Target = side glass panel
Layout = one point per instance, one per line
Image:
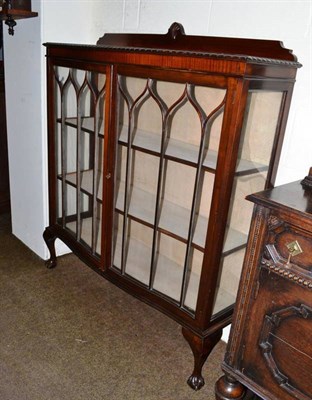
(168, 139)
(79, 123)
(251, 174)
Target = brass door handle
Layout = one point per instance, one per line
(294, 249)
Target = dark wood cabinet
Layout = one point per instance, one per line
(270, 350)
(154, 142)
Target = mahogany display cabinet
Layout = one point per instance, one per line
(154, 142)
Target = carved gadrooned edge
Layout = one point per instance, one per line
(206, 54)
(271, 322)
(286, 273)
(248, 269)
(238, 57)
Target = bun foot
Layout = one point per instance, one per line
(196, 382)
(228, 388)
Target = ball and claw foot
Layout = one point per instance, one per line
(50, 264)
(49, 237)
(196, 382)
(201, 348)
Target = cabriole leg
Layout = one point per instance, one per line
(49, 238)
(227, 388)
(201, 348)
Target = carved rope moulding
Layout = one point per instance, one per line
(286, 273)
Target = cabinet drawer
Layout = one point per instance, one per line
(279, 356)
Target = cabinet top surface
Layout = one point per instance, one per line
(291, 197)
(175, 41)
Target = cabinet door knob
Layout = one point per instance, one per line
(108, 176)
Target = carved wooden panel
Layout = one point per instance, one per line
(274, 349)
(278, 345)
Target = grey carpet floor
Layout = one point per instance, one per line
(69, 334)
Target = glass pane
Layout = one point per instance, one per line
(79, 133)
(70, 207)
(228, 280)
(177, 198)
(202, 210)
(132, 250)
(138, 251)
(251, 176)
(169, 263)
(117, 240)
(97, 230)
(192, 281)
(136, 102)
(257, 137)
(143, 186)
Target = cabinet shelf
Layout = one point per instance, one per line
(173, 218)
(168, 275)
(87, 124)
(86, 232)
(86, 182)
(143, 140)
(176, 150)
(183, 152)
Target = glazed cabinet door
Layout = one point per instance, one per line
(78, 142)
(168, 140)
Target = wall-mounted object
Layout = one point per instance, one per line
(11, 10)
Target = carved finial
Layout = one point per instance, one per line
(307, 181)
(176, 29)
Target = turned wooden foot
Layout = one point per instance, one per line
(228, 388)
(201, 348)
(49, 238)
